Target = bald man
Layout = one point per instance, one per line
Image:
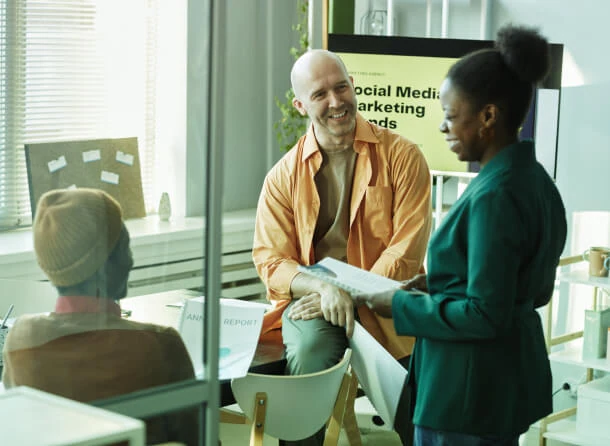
(348, 189)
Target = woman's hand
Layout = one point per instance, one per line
(380, 303)
(417, 282)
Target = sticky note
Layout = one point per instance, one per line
(59, 163)
(91, 155)
(124, 158)
(109, 177)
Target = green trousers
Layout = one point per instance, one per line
(311, 346)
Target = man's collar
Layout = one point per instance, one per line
(86, 304)
(364, 134)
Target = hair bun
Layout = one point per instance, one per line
(524, 51)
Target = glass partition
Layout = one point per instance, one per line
(124, 98)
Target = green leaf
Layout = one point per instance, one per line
(291, 125)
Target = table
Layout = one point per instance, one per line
(158, 308)
(164, 309)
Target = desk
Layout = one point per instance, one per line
(152, 308)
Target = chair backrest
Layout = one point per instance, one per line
(28, 296)
(297, 406)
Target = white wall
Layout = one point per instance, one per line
(258, 63)
(258, 37)
(584, 134)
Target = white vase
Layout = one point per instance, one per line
(165, 207)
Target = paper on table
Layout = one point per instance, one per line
(240, 326)
(379, 374)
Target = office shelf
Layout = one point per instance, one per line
(565, 430)
(561, 426)
(573, 355)
(581, 277)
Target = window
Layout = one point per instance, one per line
(74, 70)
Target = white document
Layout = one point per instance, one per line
(352, 279)
(240, 327)
(379, 374)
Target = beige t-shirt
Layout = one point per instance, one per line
(334, 184)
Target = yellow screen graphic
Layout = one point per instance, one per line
(401, 93)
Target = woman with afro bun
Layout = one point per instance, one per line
(479, 370)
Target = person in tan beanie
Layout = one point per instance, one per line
(85, 350)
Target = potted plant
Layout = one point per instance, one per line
(291, 125)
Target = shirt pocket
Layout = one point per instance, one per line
(378, 212)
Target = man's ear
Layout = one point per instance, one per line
(299, 106)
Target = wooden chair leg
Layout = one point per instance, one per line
(350, 424)
(333, 427)
(258, 424)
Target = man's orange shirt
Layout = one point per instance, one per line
(390, 219)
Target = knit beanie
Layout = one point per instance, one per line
(74, 233)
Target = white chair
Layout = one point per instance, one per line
(295, 407)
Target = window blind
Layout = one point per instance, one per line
(73, 70)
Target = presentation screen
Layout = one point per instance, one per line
(397, 81)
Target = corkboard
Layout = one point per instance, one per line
(93, 164)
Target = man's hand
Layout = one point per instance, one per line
(331, 303)
(306, 308)
(338, 308)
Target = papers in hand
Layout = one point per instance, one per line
(352, 279)
(379, 374)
